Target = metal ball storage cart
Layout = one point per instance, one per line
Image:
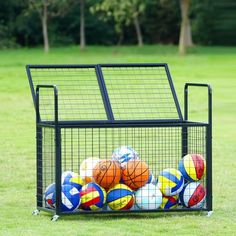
(87, 111)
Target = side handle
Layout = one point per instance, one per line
(54, 87)
(187, 85)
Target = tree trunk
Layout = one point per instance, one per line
(44, 19)
(138, 31)
(82, 26)
(185, 39)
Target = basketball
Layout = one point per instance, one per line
(193, 195)
(170, 182)
(124, 154)
(86, 168)
(169, 202)
(192, 167)
(120, 197)
(148, 197)
(93, 197)
(135, 174)
(107, 173)
(70, 177)
(70, 198)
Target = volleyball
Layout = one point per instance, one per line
(170, 202)
(192, 167)
(152, 179)
(193, 195)
(70, 198)
(124, 154)
(135, 174)
(93, 197)
(170, 182)
(49, 196)
(148, 197)
(120, 197)
(70, 177)
(86, 168)
(107, 173)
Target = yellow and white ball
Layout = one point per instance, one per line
(170, 182)
(86, 168)
(120, 197)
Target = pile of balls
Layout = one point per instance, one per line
(125, 182)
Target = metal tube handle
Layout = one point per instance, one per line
(54, 87)
(209, 99)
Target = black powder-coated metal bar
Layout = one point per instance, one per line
(208, 139)
(113, 212)
(31, 84)
(103, 90)
(58, 154)
(60, 66)
(57, 140)
(173, 92)
(102, 124)
(134, 65)
(39, 166)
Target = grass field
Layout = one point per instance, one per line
(17, 149)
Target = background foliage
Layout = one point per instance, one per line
(213, 22)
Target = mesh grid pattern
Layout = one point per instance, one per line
(140, 93)
(78, 93)
(158, 147)
(46, 149)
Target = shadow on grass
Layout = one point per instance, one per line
(123, 215)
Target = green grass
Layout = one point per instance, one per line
(214, 65)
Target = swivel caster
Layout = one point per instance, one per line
(35, 212)
(55, 218)
(209, 213)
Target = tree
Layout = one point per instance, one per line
(185, 39)
(47, 9)
(82, 25)
(125, 12)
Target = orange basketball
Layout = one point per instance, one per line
(107, 173)
(135, 174)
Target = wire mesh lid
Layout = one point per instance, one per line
(119, 92)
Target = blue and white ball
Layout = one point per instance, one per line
(72, 178)
(123, 154)
(70, 198)
(49, 196)
(152, 179)
(148, 197)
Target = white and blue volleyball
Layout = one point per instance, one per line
(170, 182)
(49, 195)
(148, 197)
(70, 198)
(72, 178)
(123, 154)
(152, 179)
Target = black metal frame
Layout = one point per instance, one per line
(57, 125)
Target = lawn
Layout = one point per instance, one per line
(214, 65)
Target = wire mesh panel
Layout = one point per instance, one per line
(141, 92)
(91, 153)
(45, 162)
(79, 96)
